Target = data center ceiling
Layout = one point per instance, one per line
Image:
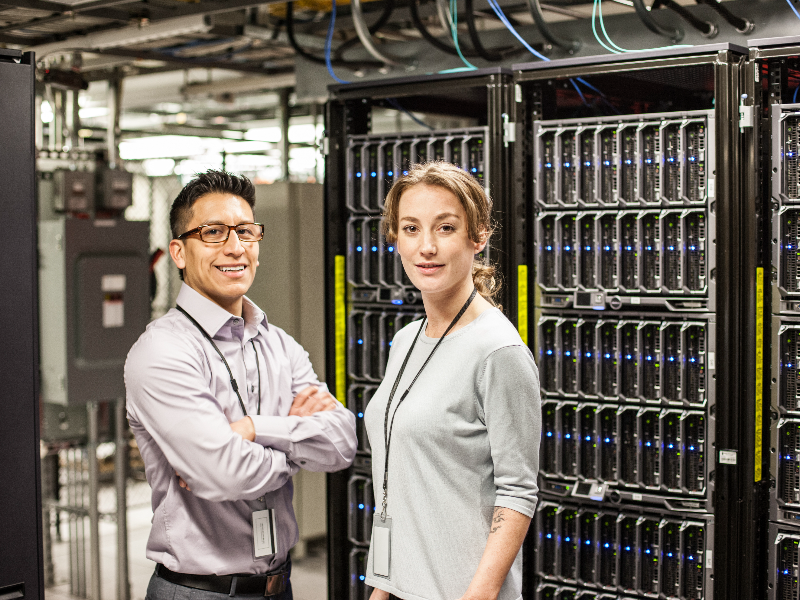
(217, 58)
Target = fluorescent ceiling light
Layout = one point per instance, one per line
(126, 36)
(91, 112)
(181, 146)
(240, 85)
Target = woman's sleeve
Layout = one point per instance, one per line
(508, 388)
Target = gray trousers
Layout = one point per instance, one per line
(161, 589)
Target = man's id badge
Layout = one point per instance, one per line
(264, 528)
(381, 545)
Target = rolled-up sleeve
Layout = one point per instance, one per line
(509, 390)
(325, 441)
(168, 396)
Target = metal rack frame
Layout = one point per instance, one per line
(726, 303)
(368, 296)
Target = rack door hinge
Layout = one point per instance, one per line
(746, 114)
(509, 130)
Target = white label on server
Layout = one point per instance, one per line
(709, 560)
(113, 311)
(727, 457)
(711, 361)
(113, 283)
(711, 189)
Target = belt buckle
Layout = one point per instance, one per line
(276, 584)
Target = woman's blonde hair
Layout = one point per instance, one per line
(477, 205)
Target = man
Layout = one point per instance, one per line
(225, 409)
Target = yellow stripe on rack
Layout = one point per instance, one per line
(759, 369)
(522, 302)
(340, 329)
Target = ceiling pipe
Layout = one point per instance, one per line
(125, 36)
(366, 38)
(433, 40)
(706, 28)
(570, 46)
(741, 24)
(675, 35)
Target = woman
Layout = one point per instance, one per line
(460, 408)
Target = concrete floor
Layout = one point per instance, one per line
(309, 576)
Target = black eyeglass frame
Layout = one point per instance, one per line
(199, 231)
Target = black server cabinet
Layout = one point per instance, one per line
(771, 117)
(368, 296)
(641, 273)
(21, 567)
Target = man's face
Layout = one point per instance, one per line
(221, 272)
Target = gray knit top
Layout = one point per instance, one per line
(465, 439)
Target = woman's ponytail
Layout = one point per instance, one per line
(486, 281)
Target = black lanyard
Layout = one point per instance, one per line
(230, 373)
(387, 426)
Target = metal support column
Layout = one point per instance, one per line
(120, 481)
(94, 512)
(284, 112)
(114, 109)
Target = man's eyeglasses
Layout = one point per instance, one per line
(216, 233)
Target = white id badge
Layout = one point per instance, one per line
(265, 541)
(381, 545)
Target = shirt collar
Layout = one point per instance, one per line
(212, 317)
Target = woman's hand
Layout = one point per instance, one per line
(379, 595)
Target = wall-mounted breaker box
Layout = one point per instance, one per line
(94, 304)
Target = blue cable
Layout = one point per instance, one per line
(328, 42)
(618, 49)
(454, 32)
(594, 30)
(580, 93)
(794, 98)
(399, 107)
(500, 15)
(603, 27)
(590, 86)
(794, 10)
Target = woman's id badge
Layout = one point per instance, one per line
(381, 545)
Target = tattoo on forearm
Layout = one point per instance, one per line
(497, 519)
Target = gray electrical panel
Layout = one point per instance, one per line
(94, 290)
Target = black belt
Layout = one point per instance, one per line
(270, 584)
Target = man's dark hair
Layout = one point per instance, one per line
(210, 182)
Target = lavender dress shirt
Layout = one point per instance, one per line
(180, 403)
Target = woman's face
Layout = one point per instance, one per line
(433, 242)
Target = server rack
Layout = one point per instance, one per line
(642, 324)
(369, 298)
(21, 559)
(772, 118)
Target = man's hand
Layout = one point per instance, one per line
(245, 428)
(311, 401)
(182, 483)
(379, 595)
